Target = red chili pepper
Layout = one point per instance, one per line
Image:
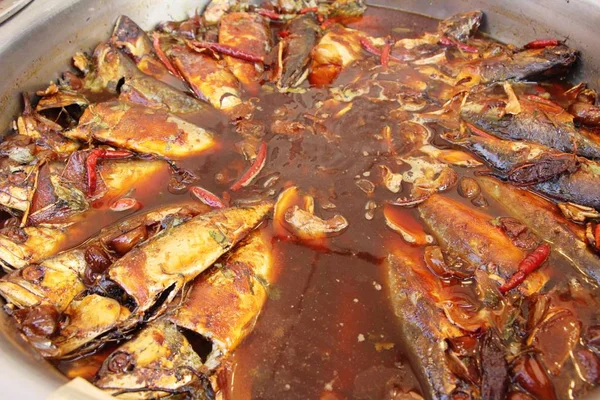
(385, 53)
(369, 47)
(208, 198)
(163, 57)
(269, 14)
(446, 41)
(254, 170)
(539, 99)
(330, 21)
(542, 43)
(597, 236)
(92, 162)
(479, 132)
(308, 9)
(284, 34)
(227, 50)
(531, 263)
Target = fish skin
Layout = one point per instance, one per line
(545, 221)
(580, 185)
(422, 325)
(223, 303)
(141, 129)
(167, 260)
(526, 64)
(533, 124)
(303, 32)
(163, 362)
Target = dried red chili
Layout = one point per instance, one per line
(163, 57)
(541, 43)
(207, 197)
(254, 170)
(92, 162)
(531, 263)
(224, 49)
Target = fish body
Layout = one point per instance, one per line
(223, 304)
(207, 76)
(544, 220)
(303, 33)
(555, 174)
(246, 32)
(176, 257)
(521, 65)
(470, 234)
(534, 124)
(422, 324)
(141, 129)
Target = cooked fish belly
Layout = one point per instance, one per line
(56, 280)
(224, 302)
(142, 129)
(158, 362)
(183, 252)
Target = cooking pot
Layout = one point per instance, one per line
(38, 42)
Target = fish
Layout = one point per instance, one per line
(423, 326)
(543, 218)
(162, 265)
(158, 362)
(470, 234)
(110, 70)
(303, 33)
(208, 77)
(59, 278)
(535, 123)
(521, 65)
(335, 50)
(139, 286)
(555, 174)
(141, 129)
(250, 33)
(224, 302)
(58, 209)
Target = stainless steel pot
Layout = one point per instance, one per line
(39, 41)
